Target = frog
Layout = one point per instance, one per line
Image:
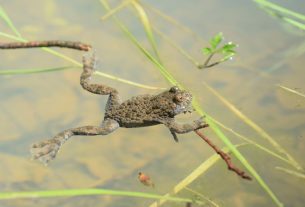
(138, 111)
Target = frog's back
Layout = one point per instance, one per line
(135, 112)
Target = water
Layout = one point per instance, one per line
(36, 107)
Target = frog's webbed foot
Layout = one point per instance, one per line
(45, 151)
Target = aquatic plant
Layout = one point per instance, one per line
(227, 51)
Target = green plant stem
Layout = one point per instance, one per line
(294, 23)
(280, 12)
(173, 21)
(280, 9)
(147, 27)
(86, 192)
(30, 71)
(206, 63)
(117, 9)
(177, 47)
(251, 142)
(202, 196)
(291, 90)
(291, 172)
(127, 81)
(9, 22)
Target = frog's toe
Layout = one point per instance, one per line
(44, 151)
(201, 123)
(45, 159)
(39, 144)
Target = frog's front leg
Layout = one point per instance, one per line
(175, 127)
(46, 151)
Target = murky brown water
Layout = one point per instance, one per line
(35, 107)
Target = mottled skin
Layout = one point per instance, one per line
(139, 111)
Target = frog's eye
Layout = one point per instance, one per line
(174, 89)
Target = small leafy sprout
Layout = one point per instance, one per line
(227, 51)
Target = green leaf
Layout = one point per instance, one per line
(228, 47)
(216, 40)
(228, 51)
(206, 51)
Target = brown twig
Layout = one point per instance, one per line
(224, 156)
(49, 43)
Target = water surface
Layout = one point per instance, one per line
(36, 107)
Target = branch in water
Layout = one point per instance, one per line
(224, 156)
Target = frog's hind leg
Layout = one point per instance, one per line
(46, 151)
(88, 69)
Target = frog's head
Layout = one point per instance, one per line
(181, 100)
